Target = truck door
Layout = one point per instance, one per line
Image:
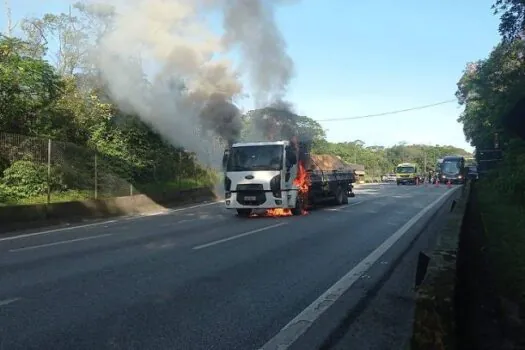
(290, 166)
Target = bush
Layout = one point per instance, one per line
(24, 179)
(4, 194)
(509, 178)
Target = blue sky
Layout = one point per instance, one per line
(363, 57)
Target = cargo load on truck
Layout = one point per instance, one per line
(282, 178)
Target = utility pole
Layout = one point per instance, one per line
(425, 166)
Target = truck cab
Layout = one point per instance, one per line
(260, 175)
(406, 173)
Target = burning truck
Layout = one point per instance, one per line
(282, 178)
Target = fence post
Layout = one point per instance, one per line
(96, 175)
(48, 171)
(131, 189)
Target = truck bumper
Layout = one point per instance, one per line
(260, 200)
(454, 181)
(406, 181)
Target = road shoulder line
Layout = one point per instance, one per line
(290, 333)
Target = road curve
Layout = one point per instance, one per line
(198, 278)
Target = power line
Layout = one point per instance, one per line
(387, 113)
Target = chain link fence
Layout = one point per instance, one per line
(35, 170)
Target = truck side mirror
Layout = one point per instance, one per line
(225, 159)
(291, 158)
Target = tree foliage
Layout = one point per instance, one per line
(490, 89)
(512, 18)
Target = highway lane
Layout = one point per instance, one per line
(198, 278)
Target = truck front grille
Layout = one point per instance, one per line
(251, 198)
(250, 194)
(250, 187)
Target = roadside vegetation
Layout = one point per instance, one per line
(492, 91)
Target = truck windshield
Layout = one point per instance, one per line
(405, 169)
(250, 158)
(450, 167)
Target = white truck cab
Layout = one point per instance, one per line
(260, 175)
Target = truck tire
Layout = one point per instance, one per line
(339, 196)
(345, 197)
(244, 213)
(299, 207)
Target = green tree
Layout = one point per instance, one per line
(512, 18)
(277, 123)
(29, 88)
(70, 33)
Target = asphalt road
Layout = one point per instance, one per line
(196, 278)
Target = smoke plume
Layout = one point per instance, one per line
(161, 60)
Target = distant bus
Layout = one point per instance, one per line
(452, 168)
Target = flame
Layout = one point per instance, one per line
(278, 212)
(302, 181)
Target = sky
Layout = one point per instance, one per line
(355, 58)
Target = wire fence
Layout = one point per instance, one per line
(35, 170)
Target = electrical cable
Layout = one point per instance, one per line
(387, 113)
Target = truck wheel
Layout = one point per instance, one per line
(345, 197)
(299, 207)
(244, 213)
(339, 194)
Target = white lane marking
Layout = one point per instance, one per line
(237, 236)
(59, 243)
(62, 229)
(195, 206)
(343, 207)
(8, 301)
(11, 238)
(302, 322)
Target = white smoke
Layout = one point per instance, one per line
(191, 99)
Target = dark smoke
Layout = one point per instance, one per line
(174, 37)
(222, 117)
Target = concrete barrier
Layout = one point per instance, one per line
(434, 322)
(37, 215)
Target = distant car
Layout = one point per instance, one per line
(390, 178)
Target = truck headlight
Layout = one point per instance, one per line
(275, 186)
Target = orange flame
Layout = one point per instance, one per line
(302, 181)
